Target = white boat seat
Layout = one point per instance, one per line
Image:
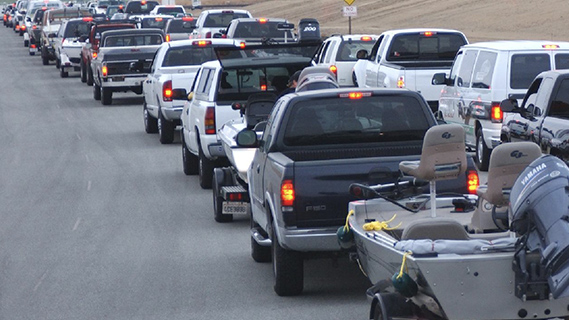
(434, 229)
(443, 155)
(507, 161)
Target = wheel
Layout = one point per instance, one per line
(32, 53)
(288, 268)
(44, 57)
(96, 92)
(259, 253)
(89, 75)
(379, 312)
(83, 73)
(217, 183)
(63, 74)
(150, 123)
(106, 96)
(57, 64)
(189, 160)
(165, 129)
(205, 168)
(482, 152)
(26, 43)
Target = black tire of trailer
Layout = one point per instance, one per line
(220, 179)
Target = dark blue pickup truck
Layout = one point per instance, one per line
(314, 146)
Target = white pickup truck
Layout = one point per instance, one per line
(408, 58)
(175, 66)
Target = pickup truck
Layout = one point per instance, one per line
(259, 30)
(210, 22)
(90, 49)
(408, 58)
(123, 62)
(52, 20)
(543, 117)
(315, 144)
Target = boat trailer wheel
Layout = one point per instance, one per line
(378, 308)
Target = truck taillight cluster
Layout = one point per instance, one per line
(168, 38)
(401, 82)
(209, 120)
(104, 71)
(287, 195)
(496, 113)
(334, 70)
(94, 55)
(167, 91)
(472, 181)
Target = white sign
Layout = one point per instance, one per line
(350, 11)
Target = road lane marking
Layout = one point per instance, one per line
(87, 158)
(89, 185)
(78, 136)
(40, 282)
(76, 224)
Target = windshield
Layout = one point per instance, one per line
(338, 120)
(221, 20)
(254, 29)
(425, 46)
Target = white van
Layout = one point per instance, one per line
(485, 73)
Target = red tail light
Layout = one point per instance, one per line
(401, 82)
(208, 35)
(33, 46)
(158, 19)
(34, 27)
(496, 112)
(201, 43)
(17, 27)
(262, 20)
(242, 45)
(94, 55)
(472, 181)
(104, 71)
(287, 193)
(23, 28)
(355, 95)
(87, 19)
(235, 197)
(366, 38)
(334, 70)
(167, 91)
(167, 38)
(210, 120)
(188, 19)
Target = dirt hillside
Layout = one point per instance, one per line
(480, 20)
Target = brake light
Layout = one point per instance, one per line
(287, 193)
(235, 197)
(43, 8)
(104, 71)
(167, 38)
(158, 19)
(187, 18)
(23, 28)
(428, 33)
(34, 27)
(550, 46)
(263, 87)
(472, 181)
(242, 45)
(401, 82)
(94, 55)
(262, 20)
(209, 120)
(17, 27)
(207, 35)
(496, 112)
(88, 19)
(143, 2)
(366, 38)
(121, 7)
(167, 91)
(334, 70)
(33, 46)
(201, 43)
(354, 95)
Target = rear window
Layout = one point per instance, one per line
(259, 30)
(138, 7)
(562, 61)
(332, 121)
(422, 47)
(238, 84)
(158, 22)
(222, 20)
(180, 26)
(348, 49)
(170, 10)
(76, 29)
(525, 67)
(128, 41)
(188, 56)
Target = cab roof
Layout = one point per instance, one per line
(518, 45)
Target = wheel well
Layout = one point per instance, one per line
(476, 127)
(374, 303)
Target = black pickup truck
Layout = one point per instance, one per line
(314, 146)
(543, 117)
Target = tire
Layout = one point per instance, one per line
(106, 96)
(288, 268)
(44, 57)
(259, 253)
(96, 92)
(83, 72)
(57, 64)
(32, 53)
(217, 183)
(482, 152)
(150, 123)
(190, 162)
(165, 129)
(205, 168)
(63, 74)
(89, 76)
(26, 43)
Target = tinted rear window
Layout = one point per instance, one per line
(180, 26)
(76, 29)
(138, 7)
(418, 47)
(159, 23)
(171, 11)
(129, 41)
(255, 29)
(344, 121)
(348, 49)
(525, 67)
(562, 61)
(188, 56)
(221, 20)
(238, 84)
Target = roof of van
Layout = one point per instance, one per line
(514, 45)
(395, 31)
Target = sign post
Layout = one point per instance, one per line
(350, 11)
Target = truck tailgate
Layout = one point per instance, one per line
(422, 82)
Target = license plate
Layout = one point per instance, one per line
(118, 78)
(235, 207)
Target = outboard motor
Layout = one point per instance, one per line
(539, 205)
(309, 30)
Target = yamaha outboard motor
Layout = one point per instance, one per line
(309, 30)
(539, 204)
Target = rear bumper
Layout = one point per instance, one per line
(317, 239)
(122, 81)
(172, 113)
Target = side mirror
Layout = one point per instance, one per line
(509, 105)
(247, 138)
(237, 106)
(362, 54)
(439, 79)
(179, 94)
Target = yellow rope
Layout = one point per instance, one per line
(403, 264)
(347, 225)
(380, 225)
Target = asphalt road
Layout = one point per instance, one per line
(98, 221)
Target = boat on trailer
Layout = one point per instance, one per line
(459, 257)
